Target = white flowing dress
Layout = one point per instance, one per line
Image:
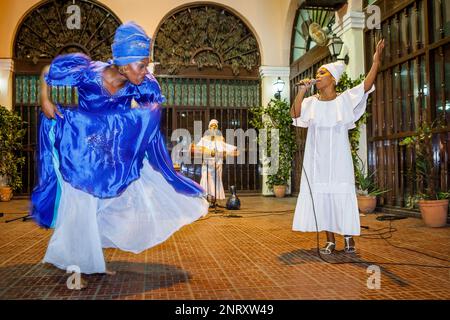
(147, 213)
(212, 167)
(328, 164)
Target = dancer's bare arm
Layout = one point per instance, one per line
(48, 107)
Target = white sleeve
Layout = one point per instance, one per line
(306, 113)
(356, 98)
(229, 147)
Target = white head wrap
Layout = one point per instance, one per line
(336, 69)
(212, 122)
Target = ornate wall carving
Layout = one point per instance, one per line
(205, 36)
(48, 31)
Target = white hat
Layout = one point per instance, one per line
(336, 69)
(212, 122)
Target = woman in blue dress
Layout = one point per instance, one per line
(106, 179)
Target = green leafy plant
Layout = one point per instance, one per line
(365, 182)
(11, 135)
(424, 173)
(276, 115)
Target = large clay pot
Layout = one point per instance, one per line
(279, 191)
(367, 204)
(434, 212)
(5, 193)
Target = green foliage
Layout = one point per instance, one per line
(11, 134)
(441, 195)
(365, 183)
(276, 115)
(346, 83)
(423, 172)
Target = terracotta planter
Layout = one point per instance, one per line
(367, 204)
(279, 191)
(434, 212)
(5, 193)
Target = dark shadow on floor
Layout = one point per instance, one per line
(44, 281)
(302, 256)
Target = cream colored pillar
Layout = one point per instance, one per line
(6, 83)
(6, 87)
(269, 75)
(350, 29)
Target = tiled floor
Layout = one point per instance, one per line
(254, 256)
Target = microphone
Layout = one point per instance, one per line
(302, 82)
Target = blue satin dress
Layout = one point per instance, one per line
(105, 176)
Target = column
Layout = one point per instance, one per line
(269, 75)
(6, 82)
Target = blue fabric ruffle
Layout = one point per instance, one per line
(68, 70)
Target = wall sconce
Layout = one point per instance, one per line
(279, 86)
(335, 46)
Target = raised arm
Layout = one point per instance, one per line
(48, 107)
(297, 105)
(372, 75)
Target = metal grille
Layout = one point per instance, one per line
(413, 85)
(27, 106)
(198, 99)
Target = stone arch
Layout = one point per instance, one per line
(44, 32)
(40, 36)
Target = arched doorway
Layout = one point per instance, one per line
(48, 30)
(207, 61)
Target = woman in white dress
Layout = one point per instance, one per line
(214, 148)
(327, 188)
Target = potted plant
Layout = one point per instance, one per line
(433, 202)
(367, 189)
(11, 134)
(276, 116)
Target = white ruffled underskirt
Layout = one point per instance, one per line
(337, 213)
(145, 215)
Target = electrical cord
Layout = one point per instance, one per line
(380, 234)
(268, 213)
(392, 230)
(374, 235)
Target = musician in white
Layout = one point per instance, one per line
(214, 149)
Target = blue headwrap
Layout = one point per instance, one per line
(131, 44)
